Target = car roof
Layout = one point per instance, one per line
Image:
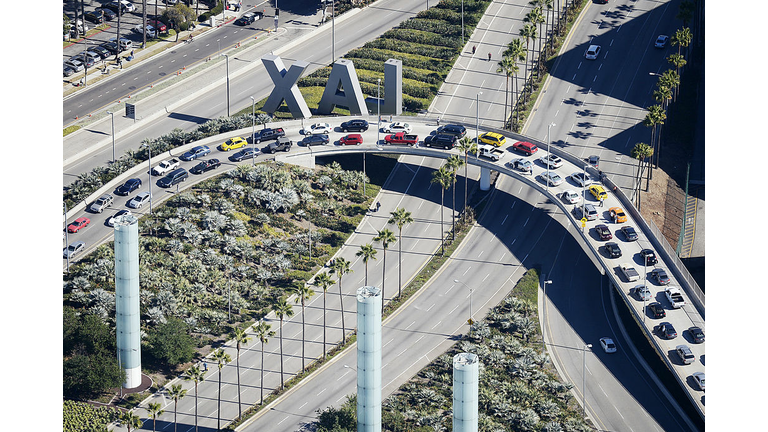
(493, 134)
(593, 47)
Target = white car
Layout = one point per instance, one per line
(571, 197)
(580, 178)
(592, 52)
(552, 178)
(139, 200)
(608, 345)
(397, 127)
(521, 164)
(150, 30)
(320, 129)
(674, 296)
(642, 291)
(111, 220)
(552, 160)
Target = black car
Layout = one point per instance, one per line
(268, 134)
(129, 186)
(122, 9)
(68, 71)
(205, 165)
(660, 276)
(356, 125)
(657, 310)
(612, 249)
(173, 178)
(666, 330)
(649, 256)
(440, 140)
(100, 51)
(246, 153)
(629, 233)
(697, 334)
(311, 140)
(109, 15)
(94, 17)
(453, 129)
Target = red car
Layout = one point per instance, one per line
(401, 138)
(604, 232)
(351, 139)
(158, 25)
(77, 224)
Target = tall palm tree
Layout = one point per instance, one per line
(341, 267)
(454, 163)
(324, 281)
(518, 53)
(655, 117)
(241, 338)
(130, 420)
(194, 373)
(677, 61)
(153, 408)
(400, 217)
(549, 35)
(534, 16)
(506, 64)
(263, 332)
(671, 79)
(367, 251)
(528, 32)
(176, 393)
(663, 95)
(221, 359)
(466, 146)
(443, 177)
(640, 151)
(303, 293)
(385, 237)
(282, 309)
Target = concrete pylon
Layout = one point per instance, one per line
(127, 311)
(485, 179)
(466, 377)
(369, 359)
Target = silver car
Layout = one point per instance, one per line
(685, 354)
(699, 378)
(74, 249)
(139, 200)
(103, 202)
(642, 291)
(551, 178)
(580, 178)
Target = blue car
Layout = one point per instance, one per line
(195, 152)
(129, 186)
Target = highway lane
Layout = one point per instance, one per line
(350, 34)
(598, 106)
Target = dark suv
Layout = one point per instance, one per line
(281, 143)
(311, 140)
(440, 140)
(173, 178)
(267, 134)
(452, 129)
(357, 125)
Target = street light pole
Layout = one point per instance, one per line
(333, 31)
(584, 382)
(149, 149)
(253, 129)
(470, 303)
(378, 114)
(113, 134)
(543, 313)
(548, 153)
(477, 122)
(227, 57)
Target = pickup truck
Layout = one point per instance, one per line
(281, 144)
(629, 272)
(674, 296)
(490, 152)
(268, 134)
(166, 166)
(401, 138)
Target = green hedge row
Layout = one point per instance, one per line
(441, 53)
(437, 26)
(423, 37)
(426, 76)
(409, 60)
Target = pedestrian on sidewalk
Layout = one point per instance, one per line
(489, 56)
(473, 49)
(205, 366)
(131, 53)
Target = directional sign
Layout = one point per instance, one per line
(470, 321)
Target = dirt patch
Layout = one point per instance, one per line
(664, 204)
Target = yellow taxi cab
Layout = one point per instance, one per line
(493, 138)
(598, 192)
(234, 143)
(617, 214)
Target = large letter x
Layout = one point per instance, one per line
(285, 86)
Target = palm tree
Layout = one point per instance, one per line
(506, 66)
(194, 373)
(303, 293)
(324, 281)
(443, 177)
(282, 309)
(466, 146)
(385, 237)
(454, 163)
(341, 267)
(677, 61)
(130, 420)
(663, 95)
(535, 17)
(640, 151)
(176, 393)
(263, 332)
(518, 53)
(241, 338)
(656, 116)
(366, 251)
(153, 408)
(221, 358)
(528, 32)
(670, 79)
(400, 217)
(549, 35)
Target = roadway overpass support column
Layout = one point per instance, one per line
(485, 179)
(127, 299)
(465, 392)
(369, 359)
